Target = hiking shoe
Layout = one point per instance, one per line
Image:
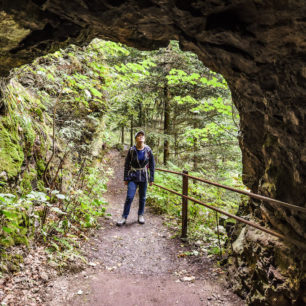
(121, 222)
(141, 219)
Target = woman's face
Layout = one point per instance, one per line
(140, 138)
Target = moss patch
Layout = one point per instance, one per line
(11, 153)
(11, 262)
(40, 167)
(26, 182)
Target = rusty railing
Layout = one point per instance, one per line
(185, 198)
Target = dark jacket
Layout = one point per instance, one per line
(131, 161)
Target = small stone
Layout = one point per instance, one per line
(35, 290)
(19, 279)
(87, 94)
(44, 276)
(80, 292)
(188, 279)
(3, 175)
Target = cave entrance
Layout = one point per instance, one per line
(184, 107)
(100, 95)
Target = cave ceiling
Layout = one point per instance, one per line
(242, 33)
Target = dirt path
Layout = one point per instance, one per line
(139, 264)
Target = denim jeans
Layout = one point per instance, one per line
(132, 186)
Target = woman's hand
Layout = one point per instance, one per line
(151, 183)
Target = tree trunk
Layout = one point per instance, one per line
(166, 123)
(195, 154)
(140, 115)
(122, 134)
(175, 146)
(175, 114)
(131, 132)
(195, 149)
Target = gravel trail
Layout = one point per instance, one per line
(139, 264)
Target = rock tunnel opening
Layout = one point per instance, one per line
(257, 47)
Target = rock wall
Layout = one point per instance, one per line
(49, 97)
(259, 47)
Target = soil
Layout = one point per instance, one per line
(139, 264)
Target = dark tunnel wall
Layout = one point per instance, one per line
(258, 46)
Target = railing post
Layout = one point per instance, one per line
(185, 206)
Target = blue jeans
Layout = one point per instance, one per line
(132, 186)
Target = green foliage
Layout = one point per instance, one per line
(26, 182)
(89, 203)
(14, 216)
(202, 224)
(11, 153)
(70, 214)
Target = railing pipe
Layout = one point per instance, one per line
(297, 243)
(250, 194)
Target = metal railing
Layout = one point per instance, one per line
(185, 198)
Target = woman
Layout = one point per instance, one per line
(138, 161)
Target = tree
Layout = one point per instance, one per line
(185, 108)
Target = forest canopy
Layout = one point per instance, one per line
(185, 108)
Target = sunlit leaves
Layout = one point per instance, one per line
(177, 76)
(59, 211)
(214, 82)
(95, 92)
(185, 100)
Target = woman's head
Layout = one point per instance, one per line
(140, 137)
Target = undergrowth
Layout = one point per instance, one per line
(205, 227)
(69, 218)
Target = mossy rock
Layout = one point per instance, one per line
(11, 152)
(25, 122)
(41, 186)
(36, 111)
(27, 181)
(13, 262)
(40, 167)
(10, 263)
